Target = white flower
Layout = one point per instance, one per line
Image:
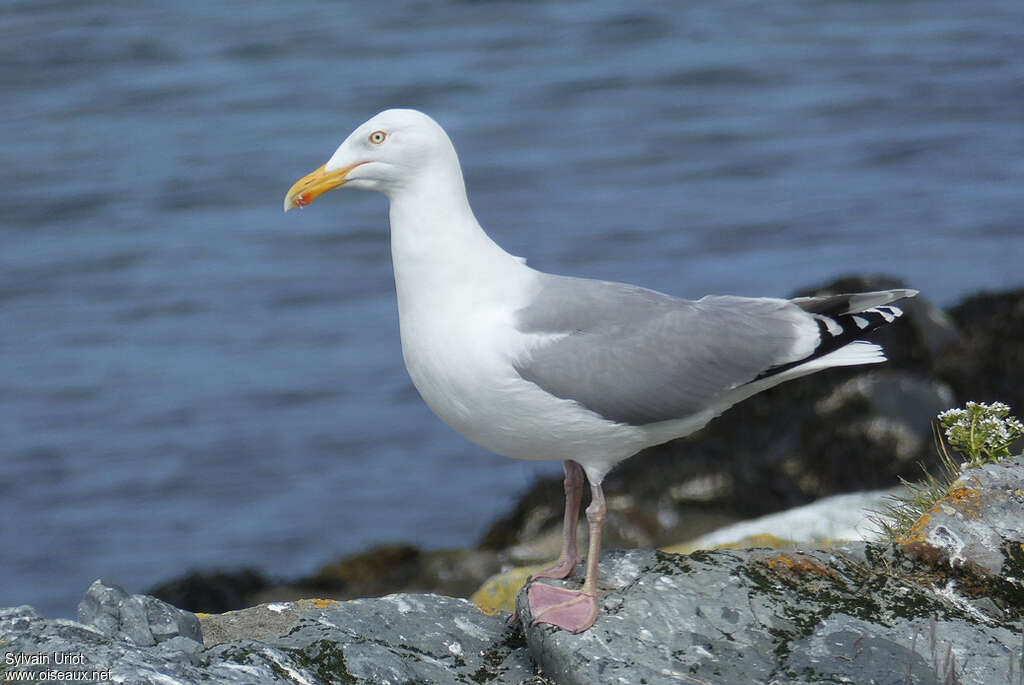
(982, 432)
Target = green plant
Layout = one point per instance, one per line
(981, 432)
(899, 514)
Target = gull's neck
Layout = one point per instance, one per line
(437, 246)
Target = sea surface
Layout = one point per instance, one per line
(191, 379)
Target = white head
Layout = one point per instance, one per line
(392, 151)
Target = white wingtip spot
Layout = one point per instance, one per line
(860, 321)
(833, 327)
(887, 313)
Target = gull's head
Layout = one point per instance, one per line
(390, 151)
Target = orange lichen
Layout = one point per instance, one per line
(966, 501)
(324, 603)
(798, 564)
(916, 531)
(779, 559)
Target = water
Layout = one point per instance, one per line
(191, 379)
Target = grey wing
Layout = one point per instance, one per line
(637, 356)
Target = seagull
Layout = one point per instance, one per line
(539, 366)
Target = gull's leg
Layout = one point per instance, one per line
(569, 557)
(595, 518)
(574, 610)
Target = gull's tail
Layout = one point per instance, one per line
(842, 320)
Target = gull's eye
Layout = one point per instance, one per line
(377, 137)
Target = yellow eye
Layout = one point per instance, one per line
(377, 137)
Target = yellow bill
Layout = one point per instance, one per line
(313, 185)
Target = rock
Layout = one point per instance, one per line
(978, 525)
(942, 606)
(855, 614)
(827, 522)
(395, 639)
(260, 622)
(140, 619)
(55, 649)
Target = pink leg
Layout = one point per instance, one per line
(569, 557)
(574, 610)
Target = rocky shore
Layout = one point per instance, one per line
(943, 604)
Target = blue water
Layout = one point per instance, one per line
(191, 379)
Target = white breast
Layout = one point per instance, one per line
(459, 345)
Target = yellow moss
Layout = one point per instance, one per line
(324, 603)
(759, 540)
(498, 593)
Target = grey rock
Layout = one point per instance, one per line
(180, 648)
(170, 623)
(855, 614)
(395, 639)
(943, 606)
(261, 622)
(13, 619)
(904, 651)
(859, 613)
(100, 607)
(143, 620)
(978, 525)
(97, 656)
